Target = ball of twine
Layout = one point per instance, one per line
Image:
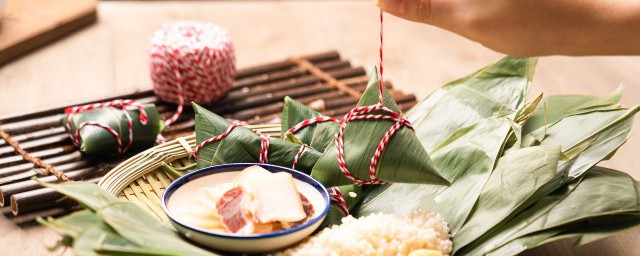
(191, 61)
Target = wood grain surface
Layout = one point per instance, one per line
(29, 24)
(111, 56)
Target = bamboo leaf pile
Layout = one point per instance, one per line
(506, 175)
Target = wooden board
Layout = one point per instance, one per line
(29, 24)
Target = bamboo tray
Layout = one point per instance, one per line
(256, 97)
(141, 180)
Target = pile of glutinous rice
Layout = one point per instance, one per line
(380, 234)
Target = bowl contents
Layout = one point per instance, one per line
(257, 201)
(381, 234)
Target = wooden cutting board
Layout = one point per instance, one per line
(29, 24)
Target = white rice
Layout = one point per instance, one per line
(379, 234)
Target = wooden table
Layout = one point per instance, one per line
(111, 56)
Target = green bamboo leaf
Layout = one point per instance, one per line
(130, 251)
(137, 226)
(336, 213)
(93, 237)
(85, 193)
(242, 145)
(497, 90)
(586, 232)
(591, 233)
(604, 131)
(601, 192)
(468, 157)
(603, 195)
(517, 176)
(128, 222)
(501, 233)
(317, 136)
(529, 109)
(98, 141)
(507, 81)
(403, 152)
(561, 106)
(71, 226)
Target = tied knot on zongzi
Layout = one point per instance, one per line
(113, 119)
(338, 198)
(264, 142)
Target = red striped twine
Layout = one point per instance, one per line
(300, 151)
(363, 113)
(358, 113)
(308, 122)
(381, 81)
(264, 143)
(338, 198)
(191, 61)
(123, 104)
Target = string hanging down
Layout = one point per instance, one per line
(381, 81)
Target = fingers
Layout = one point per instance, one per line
(414, 10)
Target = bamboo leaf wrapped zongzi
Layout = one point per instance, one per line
(242, 145)
(112, 127)
(402, 160)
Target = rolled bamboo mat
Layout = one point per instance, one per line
(256, 97)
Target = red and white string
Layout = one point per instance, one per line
(264, 143)
(338, 198)
(364, 113)
(191, 61)
(123, 104)
(358, 113)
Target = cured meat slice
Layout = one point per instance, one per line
(230, 210)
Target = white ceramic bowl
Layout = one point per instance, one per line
(182, 189)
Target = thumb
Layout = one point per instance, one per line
(414, 10)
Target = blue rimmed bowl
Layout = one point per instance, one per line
(184, 187)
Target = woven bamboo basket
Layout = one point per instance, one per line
(140, 179)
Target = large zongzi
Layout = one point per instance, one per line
(403, 160)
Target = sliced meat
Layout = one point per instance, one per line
(229, 210)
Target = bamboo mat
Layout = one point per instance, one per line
(256, 97)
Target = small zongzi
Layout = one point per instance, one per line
(113, 127)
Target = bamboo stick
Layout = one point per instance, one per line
(345, 109)
(39, 199)
(30, 173)
(257, 70)
(277, 107)
(11, 118)
(63, 159)
(36, 135)
(337, 112)
(43, 154)
(286, 74)
(29, 218)
(27, 125)
(8, 190)
(34, 144)
(268, 98)
(284, 85)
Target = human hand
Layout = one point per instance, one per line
(533, 27)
